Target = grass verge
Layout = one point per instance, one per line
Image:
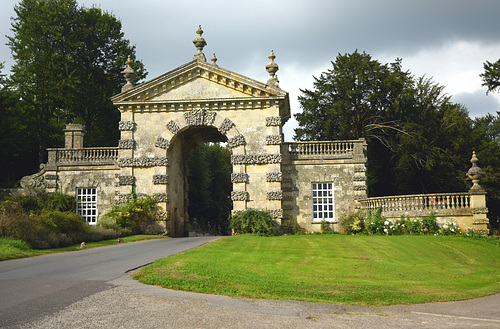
(355, 270)
(12, 249)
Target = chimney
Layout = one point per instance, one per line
(73, 136)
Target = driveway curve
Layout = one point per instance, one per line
(39, 286)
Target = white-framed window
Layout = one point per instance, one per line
(86, 204)
(323, 202)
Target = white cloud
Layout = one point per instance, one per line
(455, 65)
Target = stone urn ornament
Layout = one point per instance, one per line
(129, 75)
(272, 68)
(199, 43)
(475, 173)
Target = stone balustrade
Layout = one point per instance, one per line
(467, 209)
(325, 149)
(86, 155)
(420, 204)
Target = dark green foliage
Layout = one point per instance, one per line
(17, 143)
(324, 226)
(67, 65)
(15, 222)
(210, 187)
(56, 229)
(254, 221)
(375, 221)
(47, 221)
(137, 215)
(405, 225)
(429, 224)
(43, 202)
(353, 223)
(349, 100)
(488, 152)
(491, 76)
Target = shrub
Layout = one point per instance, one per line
(99, 233)
(254, 221)
(405, 225)
(449, 228)
(353, 223)
(57, 229)
(15, 223)
(324, 226)
(48, 221)
(414, 226)
(375, 221)
(108, 223)
(429, 224)
(57, 201)
(137, 215)
(42, 202)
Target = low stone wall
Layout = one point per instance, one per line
(468, 210)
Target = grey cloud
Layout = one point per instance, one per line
(476, 102)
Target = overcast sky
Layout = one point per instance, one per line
(448, 40)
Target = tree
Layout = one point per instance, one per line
(418, 140)
(488, 152)
(43, 36)
(349, 100)
(16, 144)
(67, 64)
(98, 60)
(429, 153)
(491, 76)
(491, 126)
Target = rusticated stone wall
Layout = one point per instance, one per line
(342, 163)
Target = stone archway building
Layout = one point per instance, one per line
(163, 120)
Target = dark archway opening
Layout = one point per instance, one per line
(209, 181)
(200, 182)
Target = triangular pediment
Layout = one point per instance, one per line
(196, 81)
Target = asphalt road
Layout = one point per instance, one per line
(39, 286)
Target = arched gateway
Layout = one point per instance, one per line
(165, 119)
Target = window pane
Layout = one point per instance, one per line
(323, 201)
(87, 204)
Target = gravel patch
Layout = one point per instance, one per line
(129, 304)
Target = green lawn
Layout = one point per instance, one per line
(12, 249)
(356, 270)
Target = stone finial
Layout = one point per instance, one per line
(199, 43)
(129, 75)
(475, 174)
(214, 60)
(272, 68)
